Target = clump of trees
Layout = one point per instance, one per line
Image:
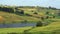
(52, 8)
(7, 9)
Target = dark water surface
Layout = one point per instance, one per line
(14, 25)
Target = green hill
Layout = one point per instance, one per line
(53, 28)
(31, 14)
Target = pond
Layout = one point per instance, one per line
(14, 25)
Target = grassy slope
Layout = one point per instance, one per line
(16, 30)
(9, 18)
(52, 28)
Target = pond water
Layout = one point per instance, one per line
(14, 25)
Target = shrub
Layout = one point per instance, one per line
(22, 12)
(28, 14)
(35, 13)
(42, 18)
(32, 11)
(58, 14)
(39, 24)
(19, 12)
(47, 12)
(25, 31)
(53, 16)
(25, 21)
(47, 17)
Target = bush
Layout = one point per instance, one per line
(28, 14)
(47, 17)
(53, 16)
(19, 12)
(39, 24)
(25, 31)
(35, 13)
(42, 18)
(47, 12)
(25, 21)
(32, 11)
(58, 14)
(22, 12)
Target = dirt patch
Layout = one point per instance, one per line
(1, 18)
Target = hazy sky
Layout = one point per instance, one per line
(53, 3)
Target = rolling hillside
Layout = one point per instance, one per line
(51, 16)
(10, 18)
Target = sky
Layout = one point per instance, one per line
(43, 3)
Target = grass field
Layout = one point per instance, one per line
(52, 28)
(13, 30)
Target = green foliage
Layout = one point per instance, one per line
(39, 24)
(5, 9)
(35, 13)
(47, 12)
(22, 12)
(27, 14)
(25, 21)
